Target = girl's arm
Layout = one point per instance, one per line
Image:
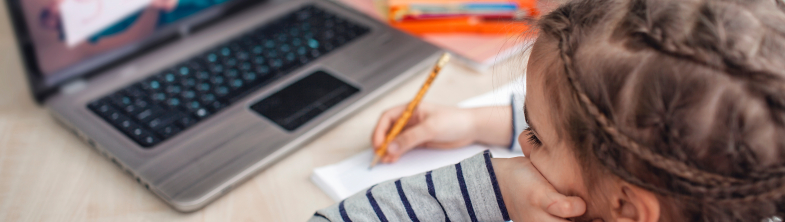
(467, 191)
(476, 189)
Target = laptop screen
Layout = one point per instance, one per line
(68, 35)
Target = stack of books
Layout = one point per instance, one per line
(419, 17)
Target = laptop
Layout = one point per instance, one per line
(193, 97)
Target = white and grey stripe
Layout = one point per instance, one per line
(518, 121)
(467, 191)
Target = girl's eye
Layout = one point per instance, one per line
(532, 138)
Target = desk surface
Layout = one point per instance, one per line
(47, 174)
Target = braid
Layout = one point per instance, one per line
(693, 183)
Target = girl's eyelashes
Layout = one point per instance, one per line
(532, 138)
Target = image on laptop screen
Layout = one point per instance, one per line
(67, 32)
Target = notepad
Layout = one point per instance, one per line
(352, 175)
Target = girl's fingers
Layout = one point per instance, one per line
(408, 139)
(561, 206)
(386, 121)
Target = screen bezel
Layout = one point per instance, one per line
(42, 86)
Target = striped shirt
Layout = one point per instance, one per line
(466, 191)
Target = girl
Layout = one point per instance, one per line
(649, 110)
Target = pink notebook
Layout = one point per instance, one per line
(477, 51)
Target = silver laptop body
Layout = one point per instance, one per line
(210, 158)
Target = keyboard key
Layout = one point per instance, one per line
(102, 108)
(168, 131)
(130, 109)
(263, 69)
(212, 57)
(242, 56)
(126, 125)
(232, 73)
(230, 62)
(184, 70)
(173, 102)
(152, 85)
(216, 68)
(148, 114)
(193, 106)
(188, 94)
(221, 91)
(207, 98)
(185, 122)
(148, 140)
(313, 43)
(116, 117)
(174, 89)
(141, 103)
(169, 77)
(226, 51)
(249, 76)
(165, 119)
(217, 80)
(203, 75)
(236, 83)
(245, 66)
(135, 91)
(203, 87)
(122, 100)
(159, 97)
(202, 113)
(189, 82)
(214, 106)
(138, 132)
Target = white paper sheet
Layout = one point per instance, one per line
(84, 18)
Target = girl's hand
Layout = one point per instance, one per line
(529, 196)
(443, 127)
(430, 125)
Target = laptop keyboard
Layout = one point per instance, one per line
(163, 105)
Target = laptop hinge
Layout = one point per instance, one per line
(73, 86)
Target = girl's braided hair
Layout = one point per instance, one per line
(685, 98)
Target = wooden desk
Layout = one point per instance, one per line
(47, 174)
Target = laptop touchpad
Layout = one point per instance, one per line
(296, 104)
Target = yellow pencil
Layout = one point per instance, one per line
(401, 122)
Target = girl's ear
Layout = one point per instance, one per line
(631, 203)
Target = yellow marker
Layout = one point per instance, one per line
(401, 122)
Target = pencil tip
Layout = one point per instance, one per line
(374, 162)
